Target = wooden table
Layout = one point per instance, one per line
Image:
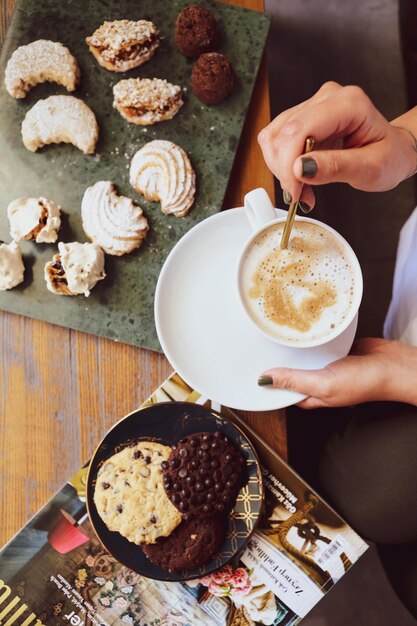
(60, 390)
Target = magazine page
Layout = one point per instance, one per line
(55, 571)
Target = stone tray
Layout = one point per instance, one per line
(121, 306)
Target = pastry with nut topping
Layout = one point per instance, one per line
(130, 496)
(75, 270)
(39, 62)
(146, 101)
(113, 222)
(34, 218)
(161, 171)
(11, 265)
(121, 45)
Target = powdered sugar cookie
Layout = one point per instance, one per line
(34, 218)
(76, 269)
(39, 62)
(60, 119)
(11, 265)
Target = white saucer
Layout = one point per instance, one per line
(205, 334)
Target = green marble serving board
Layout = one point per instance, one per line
(121, 306)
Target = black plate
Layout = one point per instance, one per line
(167, 423)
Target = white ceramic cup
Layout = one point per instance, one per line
(262, 216)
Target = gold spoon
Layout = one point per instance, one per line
(309, 146)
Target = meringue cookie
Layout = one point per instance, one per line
(76, 269)
(11, 266)
(34, 218)
(60, 119)
(162, 171)
(39, 62)
(113, 222)
(145, 101)
(121, 45)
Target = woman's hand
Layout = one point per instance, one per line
(355, 144)
(376, 369)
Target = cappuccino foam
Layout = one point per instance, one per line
(303, 293)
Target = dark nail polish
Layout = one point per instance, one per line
(286, 197)
(309, 167)
(304, 207)
(265, 380)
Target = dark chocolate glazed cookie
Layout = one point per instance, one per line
(203, 474)
(190, 545)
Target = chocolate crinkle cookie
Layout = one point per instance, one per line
(203, 474)
(196, 31)
(212, 78)
(190, 545)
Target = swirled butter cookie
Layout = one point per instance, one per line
(162, 171)
(34, 218)
(121, 45)
(146, 101)
(60, 119)
(76, 269)
(39, 62)
(130, 496)
(11, 265)
(114, 222)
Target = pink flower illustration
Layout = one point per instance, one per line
(240, 580)
(225, 582)
(79, 583)
(105, 601)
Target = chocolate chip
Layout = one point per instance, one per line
(190, 480)
(229, 483)
(219, 507)
(119, 508)
(167, 482)
(206, 437)
(105, 485)
(215, 445)
(206, 508)
(200, 452)
(185, 493)
(214, 464)
(195, 463)
(137, 454)
(194, 443)
(206, 456)
(205, 446)
(228, 457)
(147, 460)
(183, 472)
(208, 482)
(183, 440)
(199, 486)
(153, 519)
(210, 496)
(174, 463)
(175, 497)
(217, 474)
(187, 517)
(183, 506)
(228, 469)
(202, 471)
(218, 487)
(164, 465)
(225, 497)
(183, 452)
(218, 434)
(176, 487)
(127, 484)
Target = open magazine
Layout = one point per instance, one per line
(55, 571)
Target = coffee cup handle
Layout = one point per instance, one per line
(259, 209)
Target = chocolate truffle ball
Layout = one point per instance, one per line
(196, 31)
(212, 78)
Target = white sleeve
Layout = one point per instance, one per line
(401, 320)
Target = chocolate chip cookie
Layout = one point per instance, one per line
(190, 545)
(203, 474)
(130, 497)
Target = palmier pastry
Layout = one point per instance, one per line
(34, 218)
(113, 222)
(145, 101)
(11, 265)
(76, 269)
(162, 171)
(121, 45)
(39, 62)
(60, 119)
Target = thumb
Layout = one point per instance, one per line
(307, 382)
(360, 167)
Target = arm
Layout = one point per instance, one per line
(376, 369)
(357, 145)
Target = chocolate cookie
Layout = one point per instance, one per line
(212, 78)
(190, 545)
(196, 31)
(203, 474)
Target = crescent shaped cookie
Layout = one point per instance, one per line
(39, 62)
(11, 266)
(146, 101)
(162, 171)
(34, 218)
(75, 269)
(113, 222)
(60, 119)
(121, 45)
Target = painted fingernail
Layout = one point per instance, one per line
(304, 207)
(309, 167)
(265, 380)
(286, 197)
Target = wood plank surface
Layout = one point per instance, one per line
(60, 390)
